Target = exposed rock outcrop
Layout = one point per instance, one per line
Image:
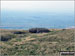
(38, 30)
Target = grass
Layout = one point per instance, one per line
(37, 44)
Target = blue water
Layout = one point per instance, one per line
(26, 20)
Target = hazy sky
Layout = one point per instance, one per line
(66, 6)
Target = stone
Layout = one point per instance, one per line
(38, 30)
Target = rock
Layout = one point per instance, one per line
(38, 30)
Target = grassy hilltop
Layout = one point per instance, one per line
(36, 43)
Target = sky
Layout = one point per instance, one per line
(63, 6)
(61, 11)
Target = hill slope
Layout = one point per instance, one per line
(37, 44)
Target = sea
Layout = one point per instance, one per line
(27, 20)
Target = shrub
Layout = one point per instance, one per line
(6, 37)
(19, 32)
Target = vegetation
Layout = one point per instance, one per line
(36, 43)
